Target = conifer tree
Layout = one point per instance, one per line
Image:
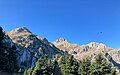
(43, 67)
(8, 59)
(84, 67)
(68, 65)
(101, 66)
(56, 68)
(62, 64)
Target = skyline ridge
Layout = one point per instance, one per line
(63, 39)
(80, 21)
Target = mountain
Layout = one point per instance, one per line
(30, 47)
(89, 50)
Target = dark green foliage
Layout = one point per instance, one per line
(56, 68)
(62, 64)
(101, 66)
(1, 35)
(28, 72)
(68, 65)
(43, 67)
(25, 72)
(84, 67)
(8, 61)
(113, 72)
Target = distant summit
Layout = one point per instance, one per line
(30, 47)
(96, 44)
(60, 40)
(21, 29)
(81, 51)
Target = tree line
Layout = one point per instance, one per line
(8, 58)
(67, 65)
(60, 65)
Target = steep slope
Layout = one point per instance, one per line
(91, 49)
(8, 60)
(30, 47)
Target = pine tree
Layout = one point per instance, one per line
(62, 64)
(68, 65)
(43, 67)
(12, 58)
(56, 68)
(2, 53)
(84, 67)
(8, 59)
(71, 66)
(1, 35)
(101, 66)
(38, 66)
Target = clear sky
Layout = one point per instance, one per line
(79, 21)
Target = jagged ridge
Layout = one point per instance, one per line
(30, 47)
(91, 49)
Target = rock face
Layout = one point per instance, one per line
(30, 47)
(91, 49)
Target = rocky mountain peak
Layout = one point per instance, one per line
(60, 40)
(19, 34)
(96, 44)
(21, 30)
(30, 46)
(81, 51)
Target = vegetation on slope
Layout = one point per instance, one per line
(67, 65)
(8, 59)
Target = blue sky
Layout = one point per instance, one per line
(79, 21)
